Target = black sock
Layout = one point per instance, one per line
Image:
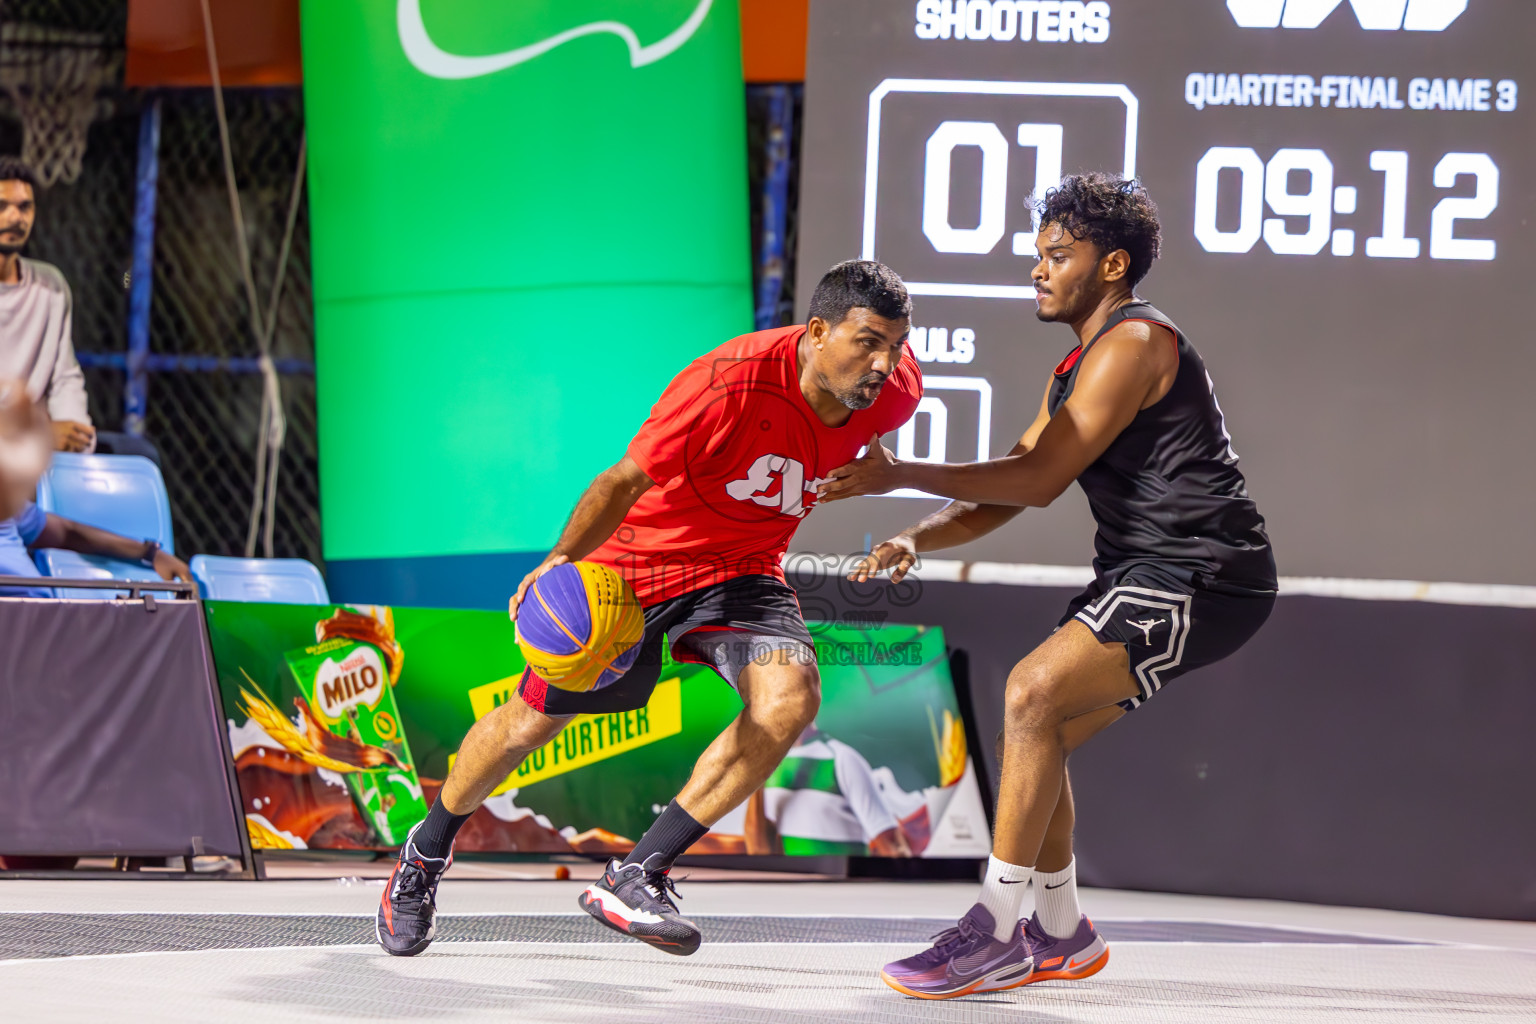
(435, 837)
(673, 832)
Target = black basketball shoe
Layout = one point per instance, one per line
(639, 902)
(408, 911)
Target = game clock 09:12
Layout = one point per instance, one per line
(1234, 186)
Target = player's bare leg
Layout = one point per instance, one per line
(1068, 676)
(1062, 939)
(1060, 696)
(781, 691)
(1063, 693)
(492, 750)
(781, 697)
(1056, 848)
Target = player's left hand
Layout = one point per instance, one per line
(876, 472)
(550, 561)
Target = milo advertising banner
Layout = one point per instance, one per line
(345, 720)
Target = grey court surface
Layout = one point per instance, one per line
(779, 952)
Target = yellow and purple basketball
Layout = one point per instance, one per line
(579, 626)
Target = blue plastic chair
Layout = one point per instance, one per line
(263, 580)
(75, 566)
(121, 493)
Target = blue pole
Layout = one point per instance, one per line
(781, 114)
(170, 362)
(136, 381)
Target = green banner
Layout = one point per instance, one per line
(345, 720)
(526, 219)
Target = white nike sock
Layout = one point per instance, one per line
(1056, 901)
(1002, 893)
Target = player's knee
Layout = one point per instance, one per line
(1032, 700)
(792, 706)
(522, 729)
(803, 700)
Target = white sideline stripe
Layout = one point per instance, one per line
(949, 570)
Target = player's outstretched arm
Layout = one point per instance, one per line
(600, 511)
(1119, 376)
(956, 523)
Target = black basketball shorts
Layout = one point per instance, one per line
(1170, 620)
(761, 609)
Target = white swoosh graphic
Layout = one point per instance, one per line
(430, 59)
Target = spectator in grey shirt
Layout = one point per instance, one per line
(36, 326)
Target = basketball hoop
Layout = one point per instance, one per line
(52, 78)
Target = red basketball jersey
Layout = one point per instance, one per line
(737, 454)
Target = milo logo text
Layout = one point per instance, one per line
(356, 680)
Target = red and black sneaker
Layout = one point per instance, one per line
(408, 911)
(639, 902)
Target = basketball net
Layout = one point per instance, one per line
(52, 78)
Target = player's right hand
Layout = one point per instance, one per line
(522, 588)
(898, 554)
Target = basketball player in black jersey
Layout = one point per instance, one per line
(1184, 575)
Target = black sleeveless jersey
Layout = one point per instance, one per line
(1167, 489)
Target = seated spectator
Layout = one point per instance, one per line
(34, 528)
(36, 327)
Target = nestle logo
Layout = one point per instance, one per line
(356, 680)
(1375, 15)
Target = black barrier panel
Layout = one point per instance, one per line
(1366, 753)
(109, 735)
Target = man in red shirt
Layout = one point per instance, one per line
(697, 516)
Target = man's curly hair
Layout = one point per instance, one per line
(1110, 212)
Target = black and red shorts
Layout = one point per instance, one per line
(755, 605)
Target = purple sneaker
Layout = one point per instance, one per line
(963, 960)
(1069, 959)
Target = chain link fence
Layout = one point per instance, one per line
(205, 422)
(203, 409)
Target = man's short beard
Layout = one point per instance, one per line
(11, 248)
(855, 397)
(857, 400)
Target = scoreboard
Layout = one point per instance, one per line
(1347, 202)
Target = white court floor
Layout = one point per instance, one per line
(778, 952)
